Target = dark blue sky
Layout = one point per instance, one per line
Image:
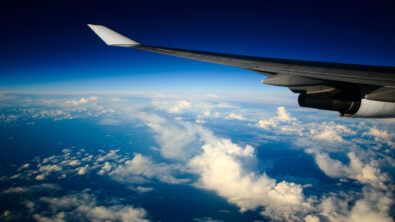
(46, 45)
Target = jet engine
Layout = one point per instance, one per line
(348, 107)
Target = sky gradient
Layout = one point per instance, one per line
(48, 47)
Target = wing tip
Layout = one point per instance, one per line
(111, 37)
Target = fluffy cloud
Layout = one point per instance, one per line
(201, 118)
(330, 132)
(235, 116)
(339, 148)
(176, 138)
(144, 166)
(106, 168)
(365, 173)
(373, 206)
(82, 170)
(111, 155)
(74, 163)
(119, 166)
(360, 163)
(221, 170)
(380, 136)
(220, 165)
(45, 170)
(282, 116)
(80, 101)
(83, 206)
(180, 107)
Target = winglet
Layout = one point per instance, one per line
(111, 37)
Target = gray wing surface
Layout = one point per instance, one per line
(375, 82)
(359, 74)
(370, 75)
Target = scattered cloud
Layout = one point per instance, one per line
(235, 116)
(180, 107)
(365, 173)
(82, 170)
(144, 189)
(193, 154)
(373, 206)
(141, 166)
(282, 116)
(84, 206)
(80, 101)
(30, 189)
(381, 136)
(106, 168)
(77, 102)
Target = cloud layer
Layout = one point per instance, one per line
(199, 145)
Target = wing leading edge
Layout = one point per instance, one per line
(305, 77)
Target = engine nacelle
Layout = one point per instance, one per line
(362, 108)
(374, 109)
(329, 101)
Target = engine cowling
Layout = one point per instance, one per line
(374, 109)
(348, 107)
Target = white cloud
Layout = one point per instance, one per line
(77, 102)
(282, 116)
(380, 135)
(83, 206)
(201, 118)
(34, 188)
(207, 113)
(74, 163)
(235, 116)
(144, 166)
(266, 124)
(373, 206)
(220, 169)
(144, 189)
(330, 132)
(93, 98)
(180, 107)
(200, 121)
(24, 166)
(46, 170)
(175, 138)
(111, 155)
(365, 173)
(377, 133)
(83, 170)
(311, 218)
(80, 101)
(220, 163)
(107, 167)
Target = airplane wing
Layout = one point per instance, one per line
(350, 89)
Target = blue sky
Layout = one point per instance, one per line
(48, 47)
